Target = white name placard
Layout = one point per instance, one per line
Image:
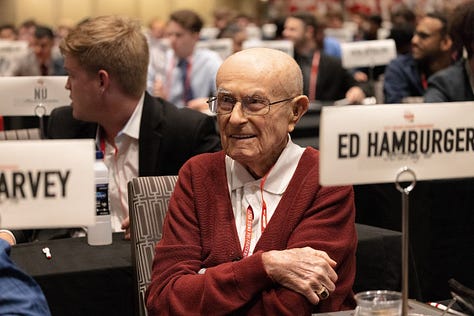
(24, 96)
(343, 35)
(47, 183)
(282, 45)
(368, 53)
(11, 53)
(222, 46)
(371, 143)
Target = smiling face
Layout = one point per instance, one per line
(257, 141)
(427, 42)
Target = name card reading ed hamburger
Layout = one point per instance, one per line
(370, 144)
(47, 183)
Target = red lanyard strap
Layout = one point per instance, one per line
(250, 217)
(313, 80)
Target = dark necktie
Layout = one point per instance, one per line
(44, 70)
(186, 82)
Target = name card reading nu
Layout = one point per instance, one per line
(21, 95)
(47, 183)
(370, 144)
(368, 53)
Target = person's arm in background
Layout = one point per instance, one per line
(19, 293)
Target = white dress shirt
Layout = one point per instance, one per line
(245, 190)
(122, 164)
(204, 64)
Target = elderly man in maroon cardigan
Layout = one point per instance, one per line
(250, 231)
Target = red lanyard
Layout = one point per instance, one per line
(314, 76)
(249, 220)
(424, 82)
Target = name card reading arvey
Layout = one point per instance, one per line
(47, 183)
(21, 95)
(368, 53)
(372, 143)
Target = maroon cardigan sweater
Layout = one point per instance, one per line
(199, 232)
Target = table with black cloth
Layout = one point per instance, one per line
(80, 279)
(98, 280)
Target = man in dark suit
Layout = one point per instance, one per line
(107, 59)
(324, 78)
(456, 82)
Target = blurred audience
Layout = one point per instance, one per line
(43, 47)
(237, 34)
(334, 19)
(156, 30)
(26, 31)
(456, 83)
(223, 17)
(324, 77)
(189, 77)
(8, 32)
(407, 75)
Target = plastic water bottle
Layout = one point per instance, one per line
(101, 233)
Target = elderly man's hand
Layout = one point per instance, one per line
(303, 270)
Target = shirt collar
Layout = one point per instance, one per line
(132, 128)
(278, 177)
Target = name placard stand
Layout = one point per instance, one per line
(40, 111)
(405, 191)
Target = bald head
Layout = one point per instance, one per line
(260, 64)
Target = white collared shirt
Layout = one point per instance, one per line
(204, 66)
(122, 164)
(245, 190)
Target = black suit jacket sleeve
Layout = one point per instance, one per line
(333, 80)
(170, 136)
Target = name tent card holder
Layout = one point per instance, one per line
(21, 95)
(368, 53)
(47, 184)
(285, 46)
(400, 143)
(222, 46)
(33, 96)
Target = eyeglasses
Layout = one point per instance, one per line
(251, 105)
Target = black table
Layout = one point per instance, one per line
(98, 280)
(80, 279)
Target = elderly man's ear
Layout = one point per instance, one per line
(300, 106)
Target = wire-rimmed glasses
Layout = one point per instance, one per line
(251, 105)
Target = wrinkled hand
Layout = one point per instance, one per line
(126, 227)
(355, 95)
(303, 270)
